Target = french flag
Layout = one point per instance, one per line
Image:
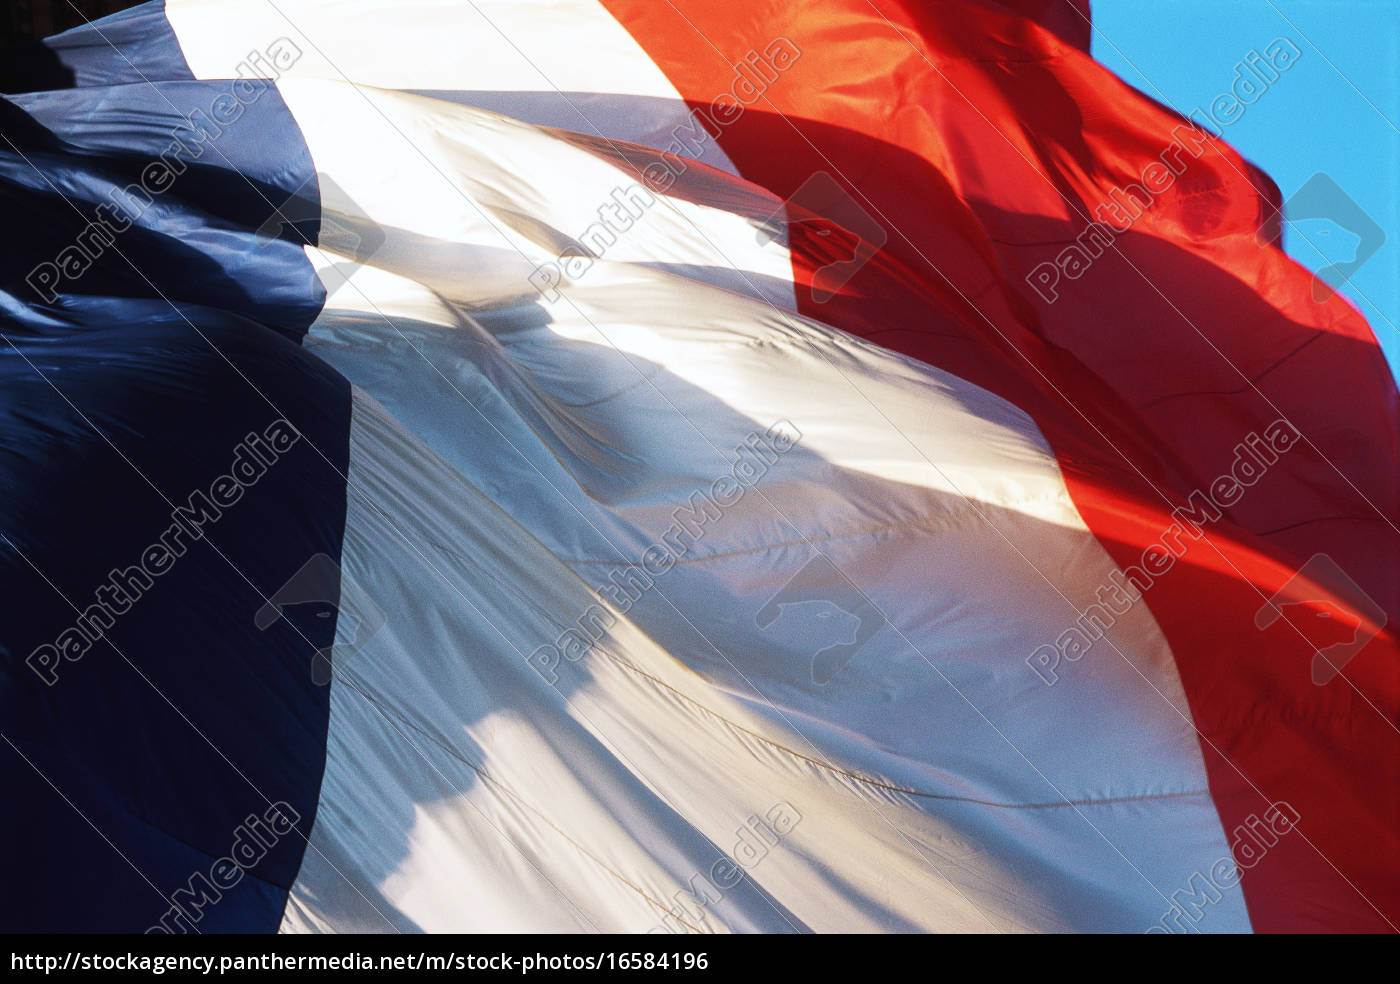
(682, 466)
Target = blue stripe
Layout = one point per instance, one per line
(185, 718)
(195, 192)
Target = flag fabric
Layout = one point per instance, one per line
(602, 465)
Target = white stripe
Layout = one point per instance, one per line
(563, 63)
(521, 448)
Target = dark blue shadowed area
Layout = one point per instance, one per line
(211, 719)
(124, 391)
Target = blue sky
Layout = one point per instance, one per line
(1336, 110)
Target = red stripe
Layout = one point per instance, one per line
(981, 143)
